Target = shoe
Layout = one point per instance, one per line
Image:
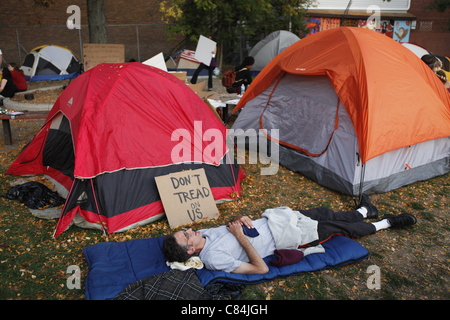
(402, 220)
(372, 211)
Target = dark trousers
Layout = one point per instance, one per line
(210, 74)
(331, 223)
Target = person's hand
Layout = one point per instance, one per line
(235, 227)
(244, 220)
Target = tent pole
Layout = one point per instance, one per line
(361, 182)
(98, 209)
(65, 204)
(233, 173)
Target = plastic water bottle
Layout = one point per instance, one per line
(242, 89)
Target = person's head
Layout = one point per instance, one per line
(432, 61)
(13, 66)
(180, 246)
(248, 62)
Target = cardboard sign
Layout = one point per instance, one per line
(186, 197)
(94, 54)
(204, 50)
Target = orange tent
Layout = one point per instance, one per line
(393, 99)
(354, 109)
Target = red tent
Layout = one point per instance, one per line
(112, 130)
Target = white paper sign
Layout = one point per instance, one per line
(157, 62)
(204, 50)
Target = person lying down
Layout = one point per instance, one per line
(241, 245)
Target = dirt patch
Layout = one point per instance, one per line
(40, 96)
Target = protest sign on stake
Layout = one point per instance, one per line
(186, 197)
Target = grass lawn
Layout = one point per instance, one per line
(413, 262)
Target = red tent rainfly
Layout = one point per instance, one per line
(110, 133)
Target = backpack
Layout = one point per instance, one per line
(229, 77)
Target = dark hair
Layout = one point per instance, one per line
(173, 251)
(15, 67)
(248, 61)
(6, 73)
(442, 76)
(431, 60)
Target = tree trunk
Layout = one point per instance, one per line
(97, 21)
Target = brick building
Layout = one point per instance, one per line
(432, 28)
(135, 23)
(426, 28)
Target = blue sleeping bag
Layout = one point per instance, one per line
(115, 265)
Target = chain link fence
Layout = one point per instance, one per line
(142, 41)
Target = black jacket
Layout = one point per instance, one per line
(243, 76)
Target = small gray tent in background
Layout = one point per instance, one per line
(268, 48)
